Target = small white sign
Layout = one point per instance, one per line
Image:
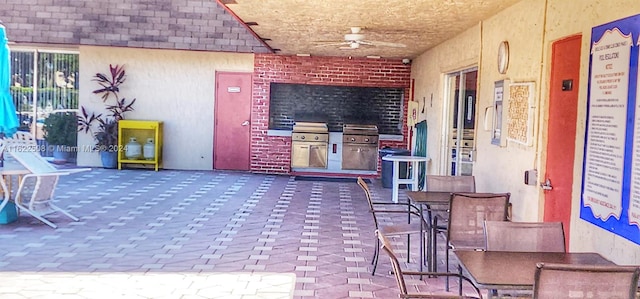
(233, 89)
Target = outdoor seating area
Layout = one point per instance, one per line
(137, 225)
(499, 256)
(204, 224)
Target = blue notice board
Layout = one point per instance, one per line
(610, 196)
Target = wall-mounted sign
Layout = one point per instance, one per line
(498, 115)
(611, 169)
(412, 119)
(520, 113)
(233, 89)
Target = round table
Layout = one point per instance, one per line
(413, 178)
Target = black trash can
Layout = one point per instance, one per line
(387, 166)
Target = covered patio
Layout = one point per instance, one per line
(202, 234)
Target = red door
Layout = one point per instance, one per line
(563, 106)
(232, 124)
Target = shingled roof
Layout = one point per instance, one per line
(160, 24)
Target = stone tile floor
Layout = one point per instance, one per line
(201, 234)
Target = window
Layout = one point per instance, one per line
(42, 82)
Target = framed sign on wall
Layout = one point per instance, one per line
(520, 113)
(611, 168)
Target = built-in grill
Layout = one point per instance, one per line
(360, 147)
(309, 143)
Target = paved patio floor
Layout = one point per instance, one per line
(201, 234)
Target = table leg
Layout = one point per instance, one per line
(414, 176)
(395, 183)
(422, 256)
(6, 193)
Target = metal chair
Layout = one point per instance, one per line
(444, 183)
(375, 208)
(448, 183)
(467, 213)
(524, 236)
(400, 274)
(585, 281)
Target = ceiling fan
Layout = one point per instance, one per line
(355, 39)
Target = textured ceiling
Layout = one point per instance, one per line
(294, 25)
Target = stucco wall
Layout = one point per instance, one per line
(530, 26)
(568, 18)
(429, 70)
(163, 82)
(501, 168)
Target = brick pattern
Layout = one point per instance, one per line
(271, 154)
(162, 24)
(335, 105)
(206, 234)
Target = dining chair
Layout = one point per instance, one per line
(524, 236)
(444, 183)
(585, 281)
(467, 214)
(401, 229)
(400, 274)
(450, 183)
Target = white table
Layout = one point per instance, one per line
(413, 179)
(10, 168)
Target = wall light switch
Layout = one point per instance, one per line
(531, 177)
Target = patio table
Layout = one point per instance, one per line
(10, 168)
(499, 270)
(429, 199)
(413, 178)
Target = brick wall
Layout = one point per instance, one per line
(271, 154)
(159, 24)
(336, 106)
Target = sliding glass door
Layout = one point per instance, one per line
(460, 118)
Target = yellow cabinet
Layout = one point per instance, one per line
(143, 131)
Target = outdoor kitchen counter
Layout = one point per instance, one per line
(287, 133)
(334, 159)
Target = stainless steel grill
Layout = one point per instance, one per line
(360, 147)
(309, 143)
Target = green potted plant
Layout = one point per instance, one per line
(61, 133)
(104, 127)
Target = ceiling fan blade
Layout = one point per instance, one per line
(383, 44)
(330, 43)
(351, 46)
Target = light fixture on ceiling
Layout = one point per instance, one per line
(303, 54)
